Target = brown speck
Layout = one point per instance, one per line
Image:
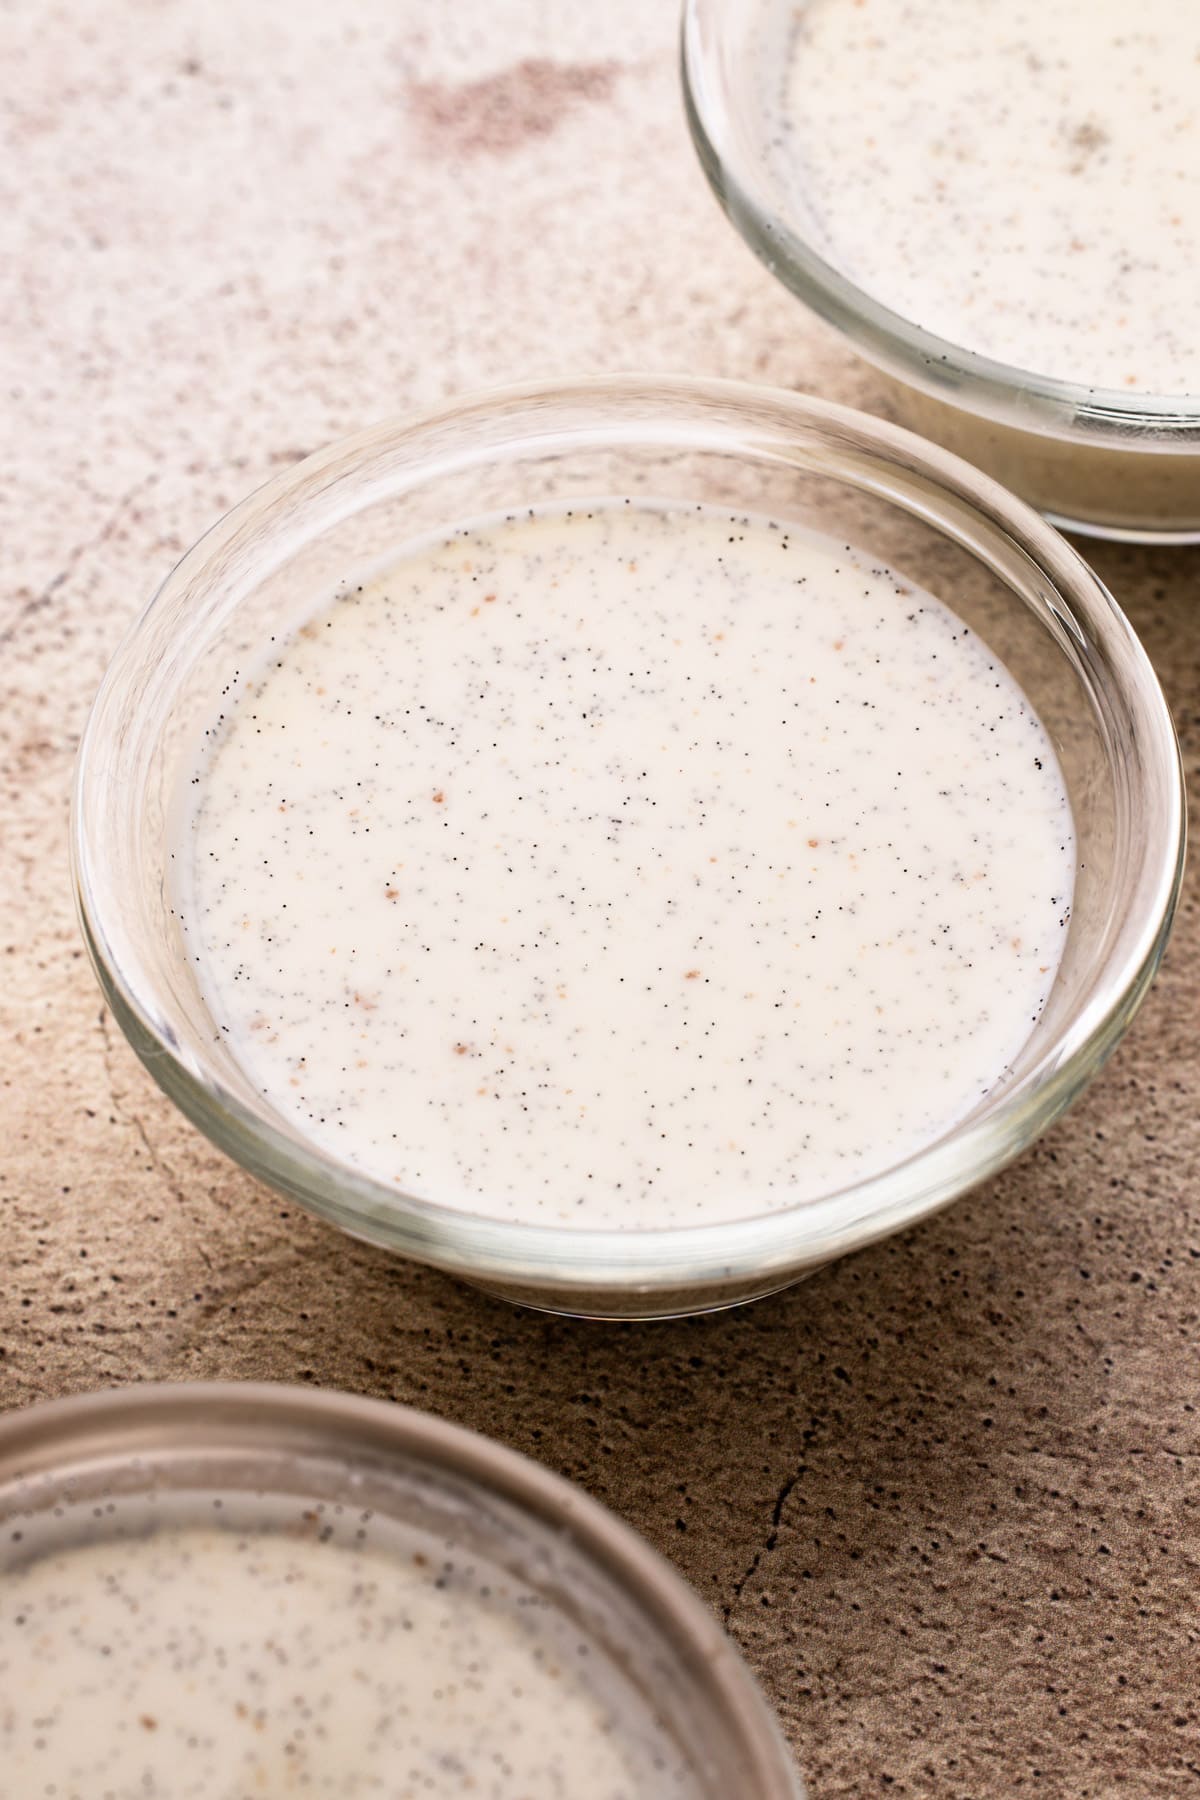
(813, 842)
(367, 1005)
(391, 893)
(439, 798)
(692, 975)
(462, 1049)
(1086, 139)
(148, 1722)
(500, 113)
(1089, 136)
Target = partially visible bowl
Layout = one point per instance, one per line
(1008, 574)
(340, 1473)
(1108, 463)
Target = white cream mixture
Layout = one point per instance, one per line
(201, 1664)
(1022, 178)
(628, 866)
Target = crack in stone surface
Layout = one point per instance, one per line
(35, 603)
(771, 1540)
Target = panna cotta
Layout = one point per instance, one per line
(627, 865)
(1022, 180)
(998, 205)
(216, 1664)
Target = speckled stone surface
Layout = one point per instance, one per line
(947, 1493)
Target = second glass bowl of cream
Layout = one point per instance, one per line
(998, 205)
(222, 1589)
(256, 992)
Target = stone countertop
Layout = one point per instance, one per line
(944, 1495)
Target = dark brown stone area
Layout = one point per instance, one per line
(499, 113)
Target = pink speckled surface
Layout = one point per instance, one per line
(944, 1494)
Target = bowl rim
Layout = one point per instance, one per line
(544, 1263)
(154, 1419)
(950, 371)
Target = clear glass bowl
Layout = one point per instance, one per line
(1109, 463)
(123, 1463)
(1015, 581)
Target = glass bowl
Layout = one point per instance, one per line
(1014, 580)
(241, 1456)
(1109, 463)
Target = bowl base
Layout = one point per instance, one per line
(628, 1309)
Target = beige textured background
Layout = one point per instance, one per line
(945, 1495)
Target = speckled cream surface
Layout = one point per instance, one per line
(1026, 184)
(207, 1664)
(943, 1494)
(626, 865)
